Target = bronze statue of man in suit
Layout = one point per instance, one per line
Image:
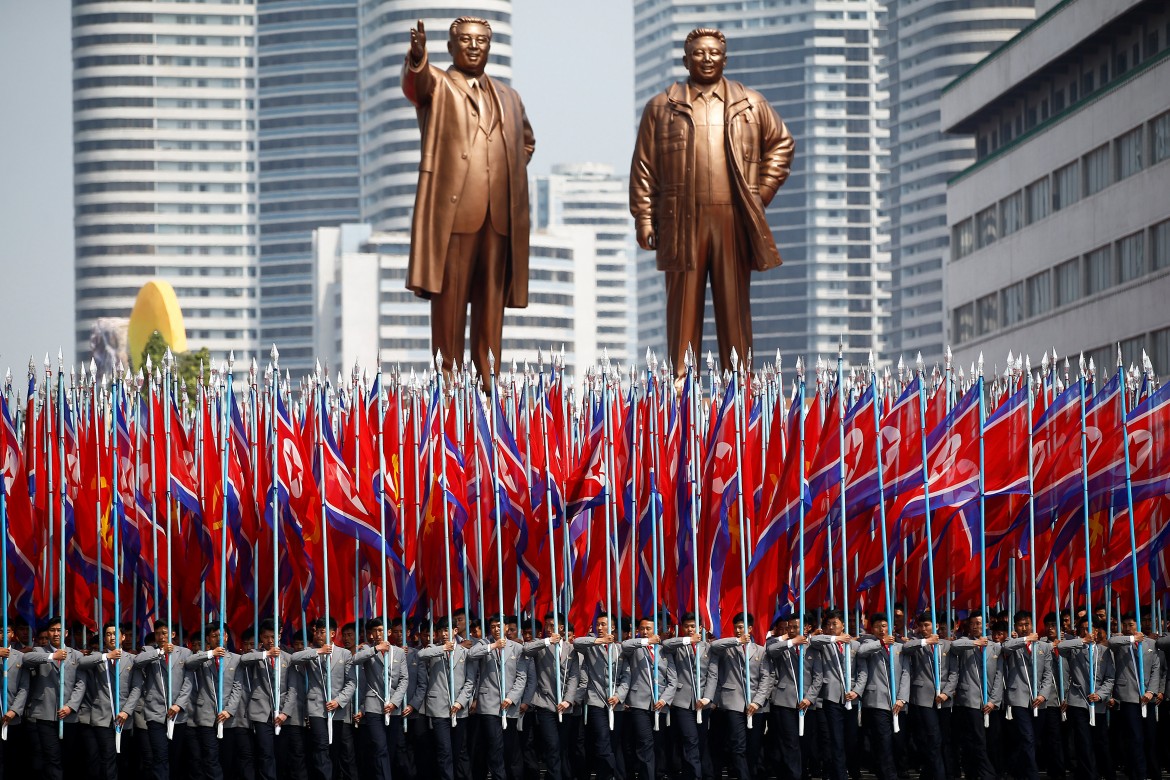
(469, 235)
(710, 155)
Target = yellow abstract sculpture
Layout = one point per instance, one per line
(156, 308)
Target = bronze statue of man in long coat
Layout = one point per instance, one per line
(469, 235)
(710, 155)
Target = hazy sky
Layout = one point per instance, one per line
(573, 64)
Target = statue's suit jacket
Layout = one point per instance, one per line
(450, 186)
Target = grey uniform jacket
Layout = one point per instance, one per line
(541, 691)
(18, 681)
(440, 666)
(45, 678)
(261, 674)
(598, 663)
(641, 657)
(686, 655)
(99, 699)
(785, 663)
(1019, 667)
(921, 660)
(1163, 645)
(1125, 655)
(833, 669)
(292, 703)
(205, 678)
(517, 667)
(153, 664)
(965, 682)
(416, 686)
(878, 659)
(331, 678)
(1076, 656)
(378, 669)
(725, 675)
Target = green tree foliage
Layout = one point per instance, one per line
(186, 363)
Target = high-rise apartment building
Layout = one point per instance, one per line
(389, 126)
(816, 62)
(307, 140)
(925, 46)
(165, 164)
(590, 195)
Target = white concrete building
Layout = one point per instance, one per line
(590, 195)
(165, 164)
(389, 127)
(366, 313)
(925, 46)
(816, 62)
(1060, 230)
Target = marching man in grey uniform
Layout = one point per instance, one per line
(965, 684)
(606, 676)
(52, 671)
(788, 702)
(727, 688)
(553, 692)
(269, 669)
(1133, 651)
(497, 707)
(166, 697)
(450, 687)
(690, 654)
(844, 682)
(18, 681)
(1029, 684)
(1090, 665)
(328, 694)
(887, 688)
(384, 682)
(207, 711)
(926, 658)
(652, 679)
(112, 695)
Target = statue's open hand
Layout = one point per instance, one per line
(418, 42)
(647, 238)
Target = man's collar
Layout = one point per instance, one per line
(719, 89)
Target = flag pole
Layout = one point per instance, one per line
(4, 556)
(441, 447)
(1032, 534)
(693, 465)
(385, 605)
(927, 517)
(737, 406)
(1137, 595)
(116, 388)
(253, 429)
(62, 499)
(652, 398)
(1088, 542)
(800, 682)
(165, 404)
(552, 550)
(982, 544)
(319, 400)
(888, 593)
(272, 375)
(225, 387)
(843, 409)
(606, 443)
